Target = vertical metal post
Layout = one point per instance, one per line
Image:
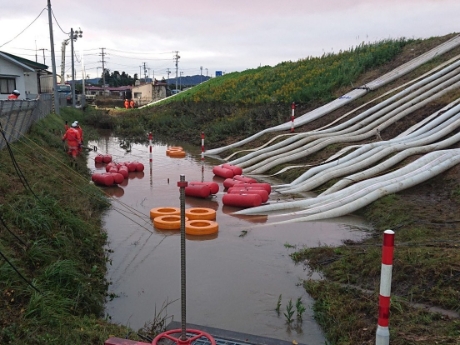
(182, 184)
(292, 116)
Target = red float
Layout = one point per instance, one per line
(242, 200)
(124, 171)
(213, 186)
(223, 172)
(117, 177)
(106, 158)
(236, 169)
(131, 166)
(109, 166)
(230, 182)
(98, 158)
(139, 166)
(244, 179)
(199, 191)
(262, 192)
(259, 185)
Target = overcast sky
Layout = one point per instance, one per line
(217, 35)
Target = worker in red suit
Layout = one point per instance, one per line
(126, 103)
(132, 103)
(73, 140)
(14, 95)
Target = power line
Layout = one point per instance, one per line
(24, 29)
(67, 33)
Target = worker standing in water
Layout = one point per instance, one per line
(73, 140)
(132, 103)
(126, 103)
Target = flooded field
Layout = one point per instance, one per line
(234, 278)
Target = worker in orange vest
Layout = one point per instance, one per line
(73, 140)
(14, 95)
(131, 103)
(126, 103)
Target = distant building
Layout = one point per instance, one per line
(119, 91)
(151, 92)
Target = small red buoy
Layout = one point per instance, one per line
(117, 177)
(199, 191)
(244, 179)
(124, 171)
(106, 158)
(98, 158)
(242, 200)
(230, 182)
(262, 192)
(131, 166)
(223, 172)
(236, 169)
(258, 185)
(213, 186)
(139, 166)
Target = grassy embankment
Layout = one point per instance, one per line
(51, 233)
(425, 217)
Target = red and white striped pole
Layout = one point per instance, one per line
(383, 333)
(292, 116)
(150, 148)
(202, 145)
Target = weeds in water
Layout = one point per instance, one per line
(287, 245)
(243, 233)
(278, 305)
(289, 312)
(300, 309)
(158, 325)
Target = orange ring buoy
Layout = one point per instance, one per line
(200, 227)
(180, 148)
(163, 211)
(167, 222)
(200, 213)
(176, 153)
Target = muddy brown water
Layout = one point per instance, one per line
(233, 278)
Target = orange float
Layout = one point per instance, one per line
(201, 227)
(201, 213)
(176, 153)
(164, 211)
(168, 222)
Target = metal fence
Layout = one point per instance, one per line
(16, 117)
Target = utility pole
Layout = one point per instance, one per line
(102, 55)
(181, 73)
(177, 57)
(206, 72)
(168, 71)
(53, 59)
(43, 50)
(201, 68)
(74, 35)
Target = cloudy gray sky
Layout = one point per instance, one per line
(217, 35)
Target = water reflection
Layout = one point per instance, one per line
(229, 210)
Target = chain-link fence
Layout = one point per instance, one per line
(17, 116)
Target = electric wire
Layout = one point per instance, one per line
(67, 33)
(19, 273)
(24, 29)
(11, 232)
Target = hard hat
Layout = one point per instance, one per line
(74, 125)
(76, 122)
(16, 92)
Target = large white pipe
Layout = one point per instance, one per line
(354, 197)
(395, 186)
(369, 154)
(361, 134)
